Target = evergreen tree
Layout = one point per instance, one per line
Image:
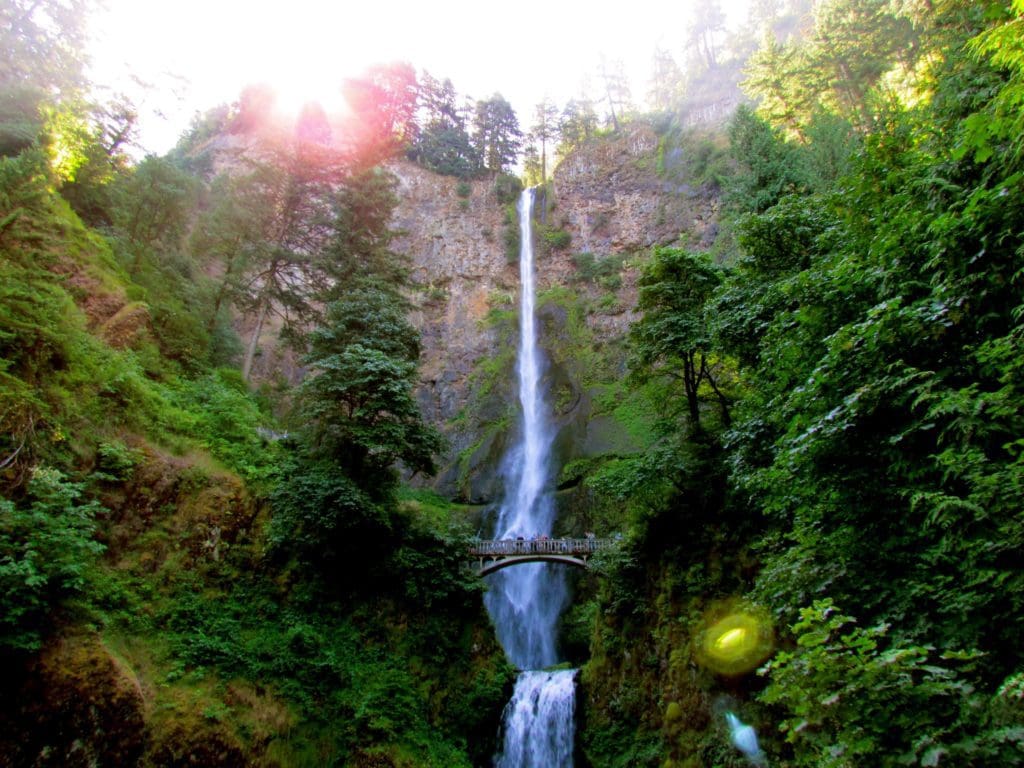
(666, 82)
(41, 45)
(672, 338)
(544, 132)
(358, 400)
(577, 124)
(153, 207)
(384, 102)
(444, 145)
(706, 25)
(496, 134)
(615, 84)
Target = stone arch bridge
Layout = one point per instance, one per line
(494, 554)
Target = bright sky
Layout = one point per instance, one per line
(200, 53)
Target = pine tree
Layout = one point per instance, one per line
(496, 134)
(544, 131)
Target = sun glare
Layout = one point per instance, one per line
(293, 90)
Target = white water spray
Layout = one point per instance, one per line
(539, 721)
(526, 600)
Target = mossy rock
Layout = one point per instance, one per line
(128, 326)
(174, 504)
(75, 704)
(193, 742)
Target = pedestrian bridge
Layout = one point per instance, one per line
(495, 554)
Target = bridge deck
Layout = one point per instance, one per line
(512, 547)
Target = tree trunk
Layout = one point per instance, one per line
(221, 293)
(691, 382)
(250, 353)
(723, 401)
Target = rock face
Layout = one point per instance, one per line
(611, 199)
(454, 243)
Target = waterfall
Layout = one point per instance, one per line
(539, 721)
(526, 600)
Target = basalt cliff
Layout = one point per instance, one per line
(607, 205)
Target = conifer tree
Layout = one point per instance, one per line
(496, 134)
(544, 132)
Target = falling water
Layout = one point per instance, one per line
(526, 600)
(539, 721)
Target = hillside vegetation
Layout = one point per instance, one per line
(194, 571)
(809, 440)
(823, 540)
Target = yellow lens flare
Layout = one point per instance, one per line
(731, 643)
(734, 643)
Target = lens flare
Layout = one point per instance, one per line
(734, 639)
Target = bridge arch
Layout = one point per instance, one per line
(496, 554)
(492, 566)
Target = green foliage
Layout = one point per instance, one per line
(107, 342)
(47, 553)
(854, 694)
(510, 234)
(555, 239)
(116, 461)
(772, 167)
(227, 423)
(359, 402)
(851, 49)
(448, 151)
(359, 249)
(672, 338)
(507, 188)
(43, 44)
(21, 120)
(326, 518)
(604, 270)
(364, 678)
(153, 206)
(496, 133)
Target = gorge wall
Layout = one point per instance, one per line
(608, 204)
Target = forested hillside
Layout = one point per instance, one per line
(196, 572)
(825, 540)
(805, 430)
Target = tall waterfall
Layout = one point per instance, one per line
(526, 600)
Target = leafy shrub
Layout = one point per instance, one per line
(116, 460)
(556, 239)
(322, 516)
(463, 189)
(227, 421)
(507, 188)
(46, 552)
(605, 271)
(853, 695)
(510, 234)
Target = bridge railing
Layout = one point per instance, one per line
(513, 547)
